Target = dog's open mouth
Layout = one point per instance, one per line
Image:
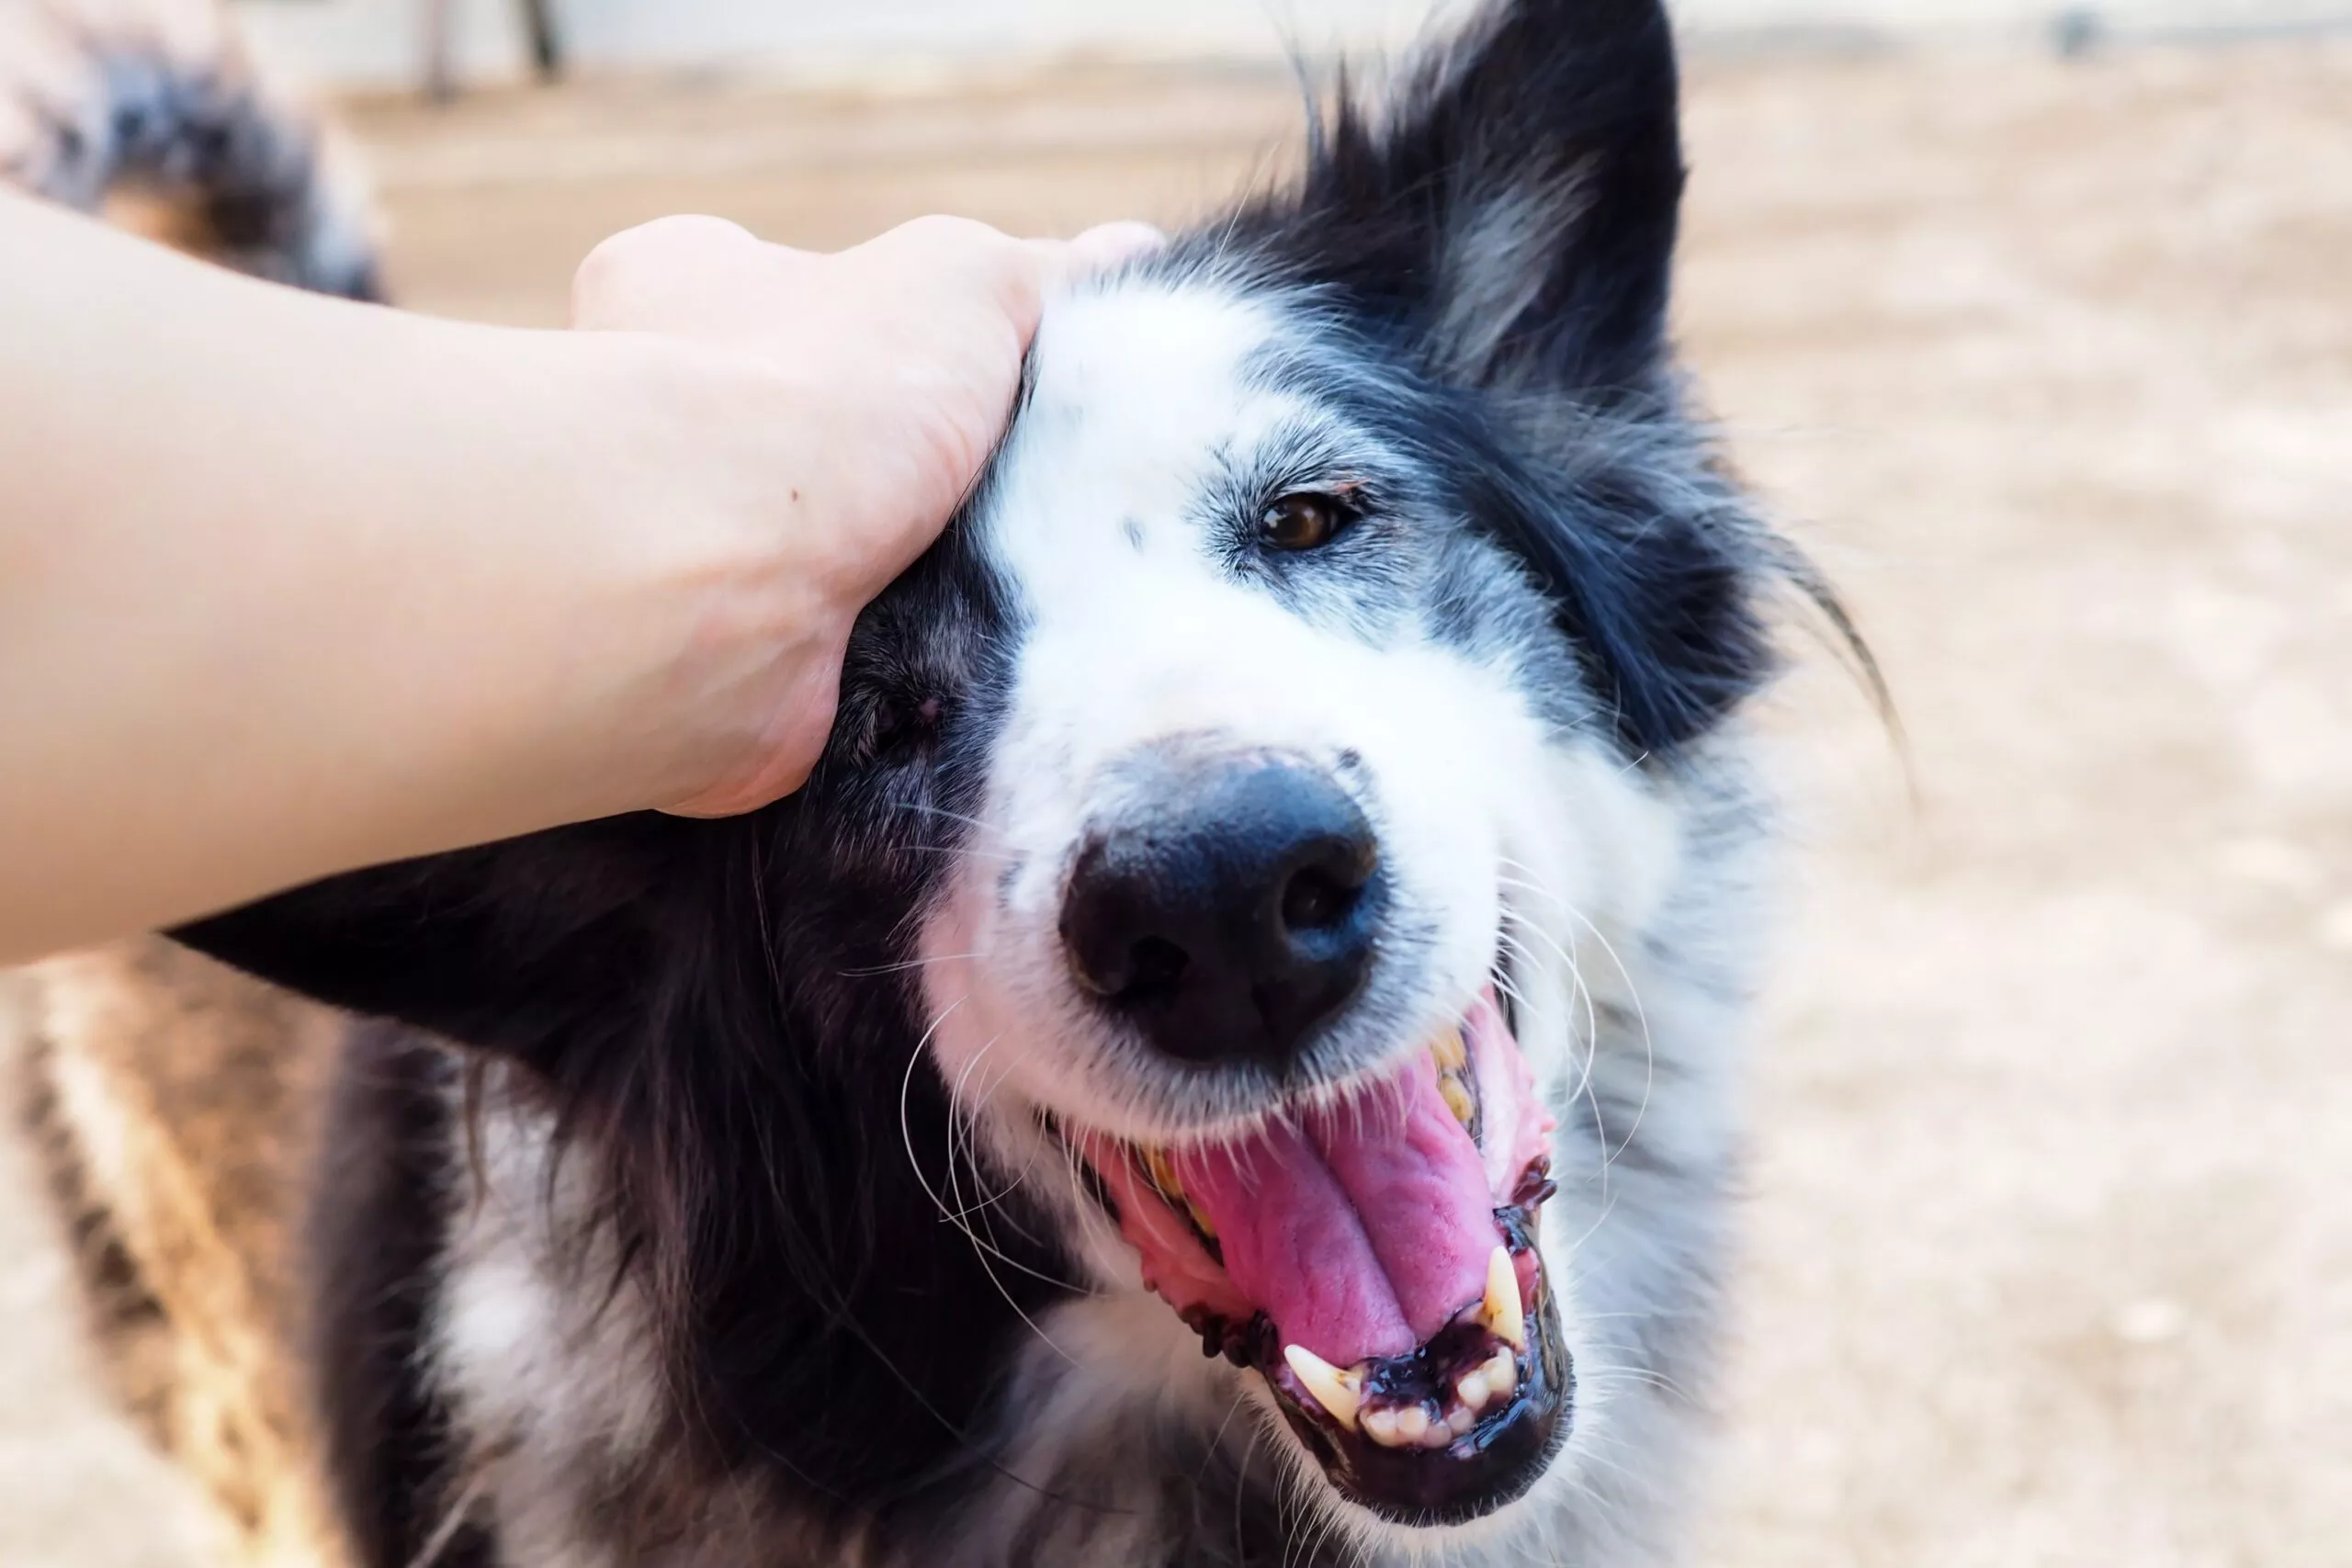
(1374, 1260)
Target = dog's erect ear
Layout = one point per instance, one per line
(1508, 223)
(510, 947)
(1514, 212)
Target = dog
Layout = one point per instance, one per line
(1233, 1058)
(154, 112)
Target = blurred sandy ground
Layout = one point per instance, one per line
(2050, 1257)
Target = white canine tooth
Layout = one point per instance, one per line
(1336, 1391)
(1380, 1425)
(1473, 1389)
(1504, 1314)
(1501, 1372)
(1460, 1421)
(1412, 1424)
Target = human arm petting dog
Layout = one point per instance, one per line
(290, 585)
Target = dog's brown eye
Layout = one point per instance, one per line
(1304, 521)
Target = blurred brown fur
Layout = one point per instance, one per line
(176, 1104)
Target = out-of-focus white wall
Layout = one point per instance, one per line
(380, 42)
(362, 42)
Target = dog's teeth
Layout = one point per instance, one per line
(1438, 1436)
(1449, 1052)
(1503, 1313)
(1460, 1420)
(1473, 1389)
(1163, 1173)
(1337, 1392)
(1158, 1165)
(1380, 1425)
(1501, 1372)
(1412, 1424)
(1457, 1097)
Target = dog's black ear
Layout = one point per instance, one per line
(1513, 212)
(513, 946)
(1508, 224)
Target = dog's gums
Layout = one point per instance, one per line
(1371, 1254)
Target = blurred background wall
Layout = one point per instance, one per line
(382, 42)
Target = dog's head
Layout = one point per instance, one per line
(1212, 817)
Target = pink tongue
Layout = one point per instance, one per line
(1361, 1233)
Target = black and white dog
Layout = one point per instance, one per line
(1232, 1058)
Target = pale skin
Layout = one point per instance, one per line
(289, 586)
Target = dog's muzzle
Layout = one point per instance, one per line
(1368, 1247)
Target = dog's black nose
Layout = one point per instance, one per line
(1231, 912)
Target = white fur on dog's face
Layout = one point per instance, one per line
(1109, 519)
(1136, 627)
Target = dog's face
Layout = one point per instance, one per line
(1288, 809)
(1213, 828)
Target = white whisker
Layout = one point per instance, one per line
(906, 1134)
(901, 966)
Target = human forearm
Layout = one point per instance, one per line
(369, 584)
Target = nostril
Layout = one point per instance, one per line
(1315, 901)
(1155, 967)
(1125, 944)
(1325, 882)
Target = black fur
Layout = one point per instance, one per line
(1545, 99)
(377, 1218)
(718, 1012)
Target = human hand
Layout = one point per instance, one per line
(290, 585)
(861, 393)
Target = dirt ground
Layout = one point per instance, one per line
(2050, 1257)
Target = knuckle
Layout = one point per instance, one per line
(943, 229)
(663, 242)
(963, 245)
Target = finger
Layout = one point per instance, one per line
(1108, 246)
(938, 241)
(641, 278)
(951, 259)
